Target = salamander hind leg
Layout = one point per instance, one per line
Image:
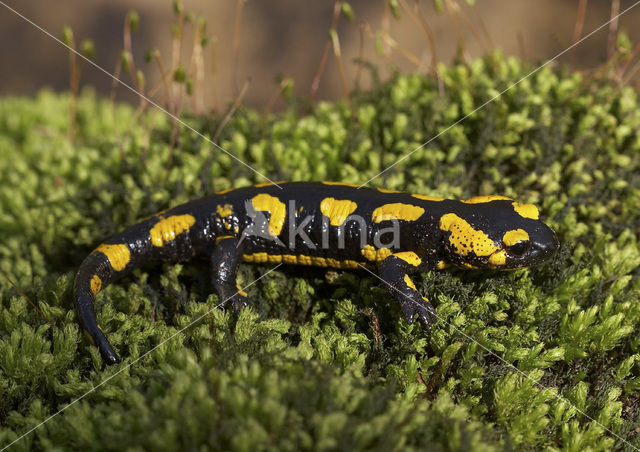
(224, 270)
(395, 271)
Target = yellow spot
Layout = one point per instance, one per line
(527, 210)
(95, 284)
(375, 255)
(499, 258)
(426, 299)
(241, 292)
(346, 264)
(428, 198)
(260, 258)
(469, 266)
(289, 259)
(305, 260)
(222, 192)
(464, 238)
(257, 258)
(441, 265)
(409, 283)
(320, 261)
(397, 211)
(483, 199)
(514, 236)
(224, 237)
(274, 259)
(276, 208)
(337, 210)
(299, 260)
(266, 184)
(340, 183)
(118, 255)
(409, 257)
(224, 211)
(167, 229)
(384, 190)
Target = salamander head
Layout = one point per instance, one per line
(495, 232)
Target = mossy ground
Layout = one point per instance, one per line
(325, 361)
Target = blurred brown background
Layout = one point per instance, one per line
(287, 38)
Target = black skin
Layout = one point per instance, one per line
(228, 226)
(224, 268)
(393, 270)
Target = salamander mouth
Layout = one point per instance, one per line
(544, 250)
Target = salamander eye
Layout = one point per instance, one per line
(518, 249)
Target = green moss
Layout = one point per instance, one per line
(325, 360)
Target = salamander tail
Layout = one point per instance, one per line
(88, 284)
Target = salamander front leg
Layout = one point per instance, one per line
(395, 271)
(224, 262)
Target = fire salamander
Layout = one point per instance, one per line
(324, 224)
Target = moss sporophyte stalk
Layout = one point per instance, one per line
(323, 358)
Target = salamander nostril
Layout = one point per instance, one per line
(549, 246)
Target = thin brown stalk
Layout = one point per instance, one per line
(416, 14)
(170, 103)
(129, 49)
(343, 80)
(232, 110)
(613, 28)
(206, 168)
(385, 26)
(356, 79)
(474, 30)
(140, 110)
(212, 72)
(483, 29)
(406, 53)
(196, 67)
(630, 74)
(432, 44)
(521, 47)
(147, 136)
(452, 10)
(175, 86)
(607, 64)
(577, 28)
(418, 18)
(236, 43)
(114, 84)
(164, 77)
(315, 84)
(393, 44)
(274, 97)
(176, 50)
(629, 59)
(172, 146)
(112, 104)
(74, 86)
